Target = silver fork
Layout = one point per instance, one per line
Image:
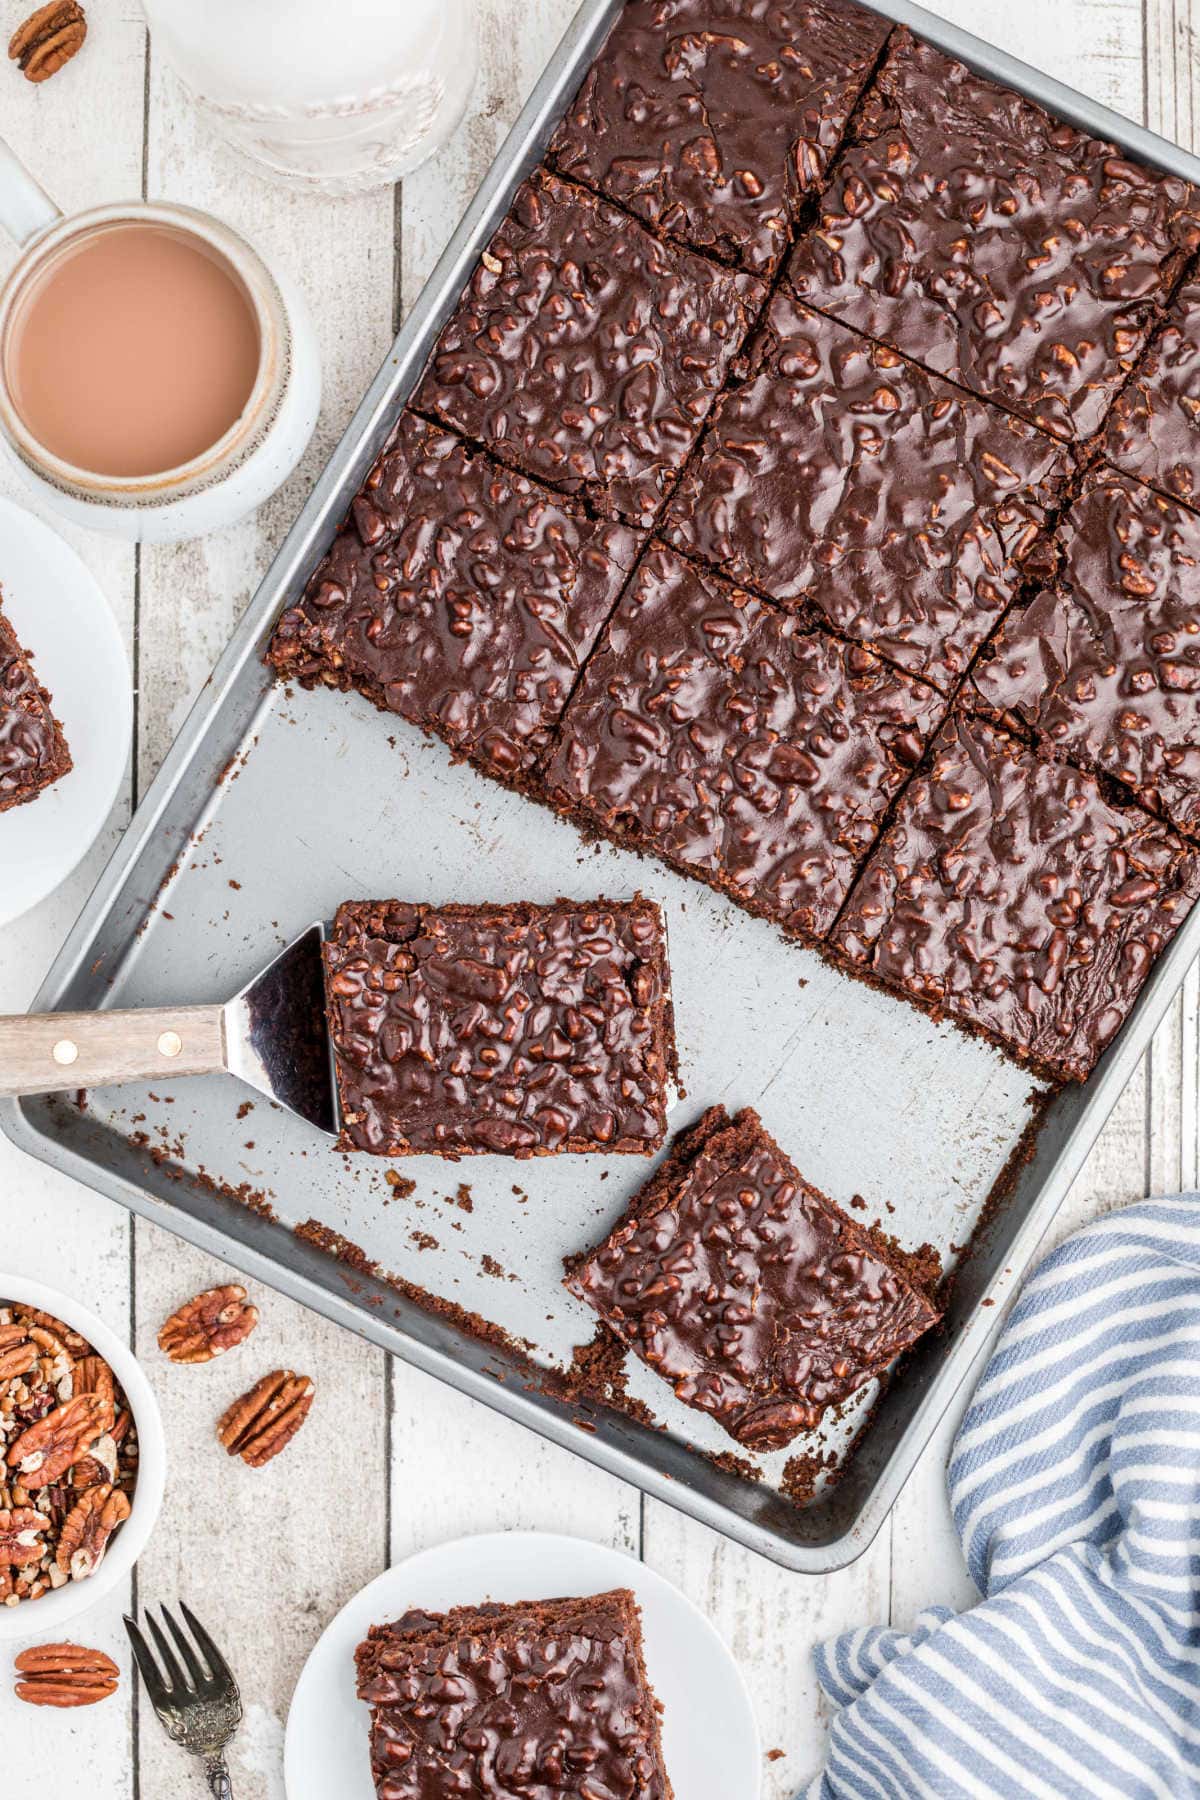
(199, 1711)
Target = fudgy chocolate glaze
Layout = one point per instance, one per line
(547, 1698)
(1153, 429)
(841, 474)
(741, 744)
(879, 461)
(748, 1290)
(712, 119)
(33, 751)
(514, 1030)
(459, 595)
(1011, 895)
(996, 245)
(1105, 669)
(585, 352)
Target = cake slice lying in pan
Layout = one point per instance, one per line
(748, 1290)
(33, 750)
(515, 1030)
(545, 1696)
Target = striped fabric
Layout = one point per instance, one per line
(1075, 1486)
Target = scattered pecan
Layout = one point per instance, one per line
(49, 1447)
(264, 1421)
(87, 1529)
(65, 1675)
(215, 1321)
(20, 1529)
(48, 39)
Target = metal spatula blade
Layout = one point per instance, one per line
(272, 1035)
(277, 1038)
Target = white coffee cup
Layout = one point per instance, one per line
(261, 447)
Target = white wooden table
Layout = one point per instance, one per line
(391, 1461)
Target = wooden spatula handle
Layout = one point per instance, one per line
(48, 1053)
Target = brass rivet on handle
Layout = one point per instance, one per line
(65, 1051)
(170, 1044)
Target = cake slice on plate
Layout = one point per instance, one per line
(33, 750)
(540, 1697)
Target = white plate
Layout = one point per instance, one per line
(710, 1738)
(61, 617)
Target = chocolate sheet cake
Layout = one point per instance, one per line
(513, 1030)
(542, 1697)
(816, 389)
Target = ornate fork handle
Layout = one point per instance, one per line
(218, 1778)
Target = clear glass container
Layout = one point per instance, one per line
(330, 95)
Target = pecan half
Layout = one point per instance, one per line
(264, 1421)
(100, 1464)
(92, 1375)
(20, 1529)
(18, 1352)
(55, 1362)
(65, 1675)
(48, 39)
(47, 1449)
(215, 1321)
(87, 1529)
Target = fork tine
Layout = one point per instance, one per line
(143, 1656)
(179, 1686)
(216, 1662)
(196, 1669)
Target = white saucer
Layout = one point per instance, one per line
(61, 617)
(710, 1738)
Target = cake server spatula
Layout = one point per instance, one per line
(271, 1035)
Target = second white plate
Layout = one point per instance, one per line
(61, 617)
(710, 1738)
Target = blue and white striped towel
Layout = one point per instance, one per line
(1075, 1486)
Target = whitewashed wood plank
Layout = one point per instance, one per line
(264, 1556)
(770, 1619)
(458, 1468)
(1171, 1123)
(56, 1230)
(287, 1544)
(1093, 45)
(1172, 46)
(1189, 1083)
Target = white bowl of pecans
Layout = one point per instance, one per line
(82, 1459)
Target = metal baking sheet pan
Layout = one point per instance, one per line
(274, 805)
